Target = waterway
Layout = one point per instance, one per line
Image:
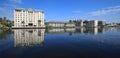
(60, 43)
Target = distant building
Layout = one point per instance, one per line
(101, 23)
(28, 18)
(60, 24)
(69, 24)
(92, 23)
(78, 23)
(112, 24)
(55, 24)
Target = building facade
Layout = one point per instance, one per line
(28, 18)
(101, 23)
(92, 23)
(78, 23)
(69, 24)
(56, 24)
(61, 24)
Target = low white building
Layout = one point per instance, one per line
(69, 24)
(55, 24)
(28, 18)
(60, 24)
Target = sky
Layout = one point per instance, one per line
(65, 10)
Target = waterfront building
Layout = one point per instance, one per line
(101, 23)
(78, 23)
(56, 24)
(69, 24)
(60, 24)
(92, 23)
(28, 18)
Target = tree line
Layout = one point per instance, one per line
(6, 22)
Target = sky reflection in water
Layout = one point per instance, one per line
(61, 43)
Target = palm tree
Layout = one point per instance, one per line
(23, 22)
(39, 21)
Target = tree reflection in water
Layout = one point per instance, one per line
(5, 34)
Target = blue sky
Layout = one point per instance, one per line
(64, 10)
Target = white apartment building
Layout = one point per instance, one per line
(28, 18)
(92, 23)
(78, 23)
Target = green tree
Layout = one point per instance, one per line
(23, 22)
(6, 22)
(39, 21)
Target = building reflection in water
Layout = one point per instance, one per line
(91, 30)
(28, 37)
(103, 38)
(56, 31)
(78, 30)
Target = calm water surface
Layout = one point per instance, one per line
(60, 43)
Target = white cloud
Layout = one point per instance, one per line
(109, 10)
(16, 1)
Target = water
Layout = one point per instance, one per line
(60, 43)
